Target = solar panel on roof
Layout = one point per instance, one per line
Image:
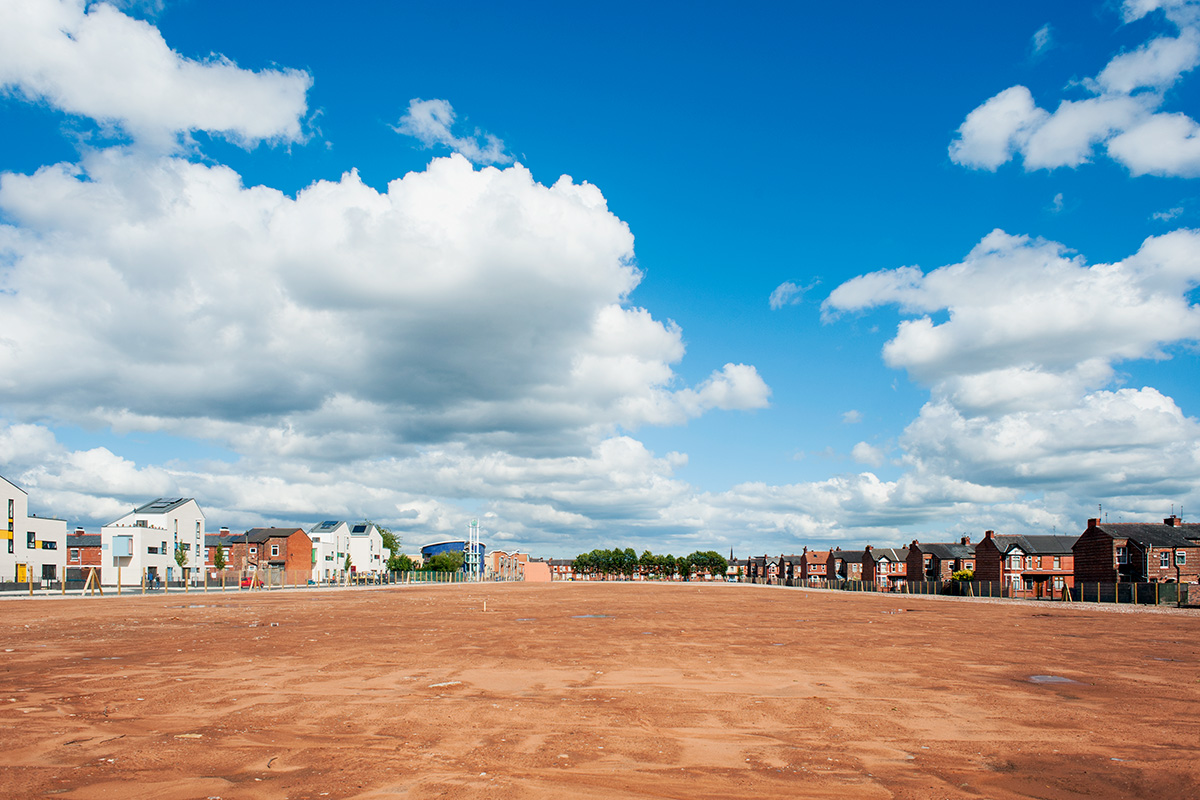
(360, 529)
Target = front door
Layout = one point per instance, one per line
(22, 573)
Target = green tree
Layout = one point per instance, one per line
(390, 540)
(181, 557)
(711, 562)
(347, 565)
(963, 575)
(219, 557)
(684, 567)
(400, 563)
(450, 561)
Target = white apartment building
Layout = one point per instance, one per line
(144, 541)
(33, 548)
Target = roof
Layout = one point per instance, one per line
(83, 540)
(162, 505)
(327, 525)
(255, 535)
(947, 550)
(1036, 544)
(889, 553)
(1155, 535)
(849, 556)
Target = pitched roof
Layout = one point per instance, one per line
(257, 535)
(327, 525)
(948, 550)
(1156, 535)
(1036, 544)
(162, 505)
(890, 553)
(849, 556)
(83, 540)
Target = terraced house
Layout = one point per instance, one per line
(1138, 552)
(1043, 564)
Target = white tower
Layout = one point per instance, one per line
(474, 558)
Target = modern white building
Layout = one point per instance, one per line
(34, 548)
(144, 542)
(366, 548)
(334, 539)
(331, 543)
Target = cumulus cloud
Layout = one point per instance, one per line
(1020, 368)
(430, 122)
(97, 62)
(852, 417)
(1124, 114)
(868, 454)
(458, 303)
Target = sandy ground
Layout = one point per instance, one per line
(593, 691)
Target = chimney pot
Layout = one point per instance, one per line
(989, 534)
(1173, 521)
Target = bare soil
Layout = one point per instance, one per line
(600, 690)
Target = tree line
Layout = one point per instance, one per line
(627, 563)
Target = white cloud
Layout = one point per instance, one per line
(1168, 215)
(1056, 205)
(458, 303)
(867, 454)
(852, 417)
(1016, 302)
(1019, 370)
(1042, 39)
(789, 294)
(1123, 116)
(430, 123)
(99, 63)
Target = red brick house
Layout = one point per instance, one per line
(814, 567)
(83, 554)
(281, 553)
(886, 567)
(1043, 564)
(1138, 552)
(937, 561)
(844, 566)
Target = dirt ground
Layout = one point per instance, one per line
(593, 691)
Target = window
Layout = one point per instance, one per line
(253, 550)
(1164, 559)
(31, 540)
(1014, 562)
(49, 545)
(1057, 562)
(141, 523)
(74, 555)
(10, 545)
(163, 548)
(153, 550)
(274, 550)
(10, 514)
(1122, 555)
(1180, 558)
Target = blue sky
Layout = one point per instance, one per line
(212, 291)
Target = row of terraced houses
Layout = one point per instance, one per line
(1040, 564)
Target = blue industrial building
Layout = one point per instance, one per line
(451, 546)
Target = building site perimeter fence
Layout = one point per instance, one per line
(227, 580)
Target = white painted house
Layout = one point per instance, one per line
(366, 548)
(143, 542)
(34, 548)
(331, 543)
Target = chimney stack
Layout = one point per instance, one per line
(1094, 523)
(965, 540)
(1173, 521)
(989, 534)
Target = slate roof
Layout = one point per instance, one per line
(258, 535)
(890, 553)
(83, 540)
(1156, 535)
(947, 551)
(1036, 544)
(849, 556)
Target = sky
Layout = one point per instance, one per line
(702, 276)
